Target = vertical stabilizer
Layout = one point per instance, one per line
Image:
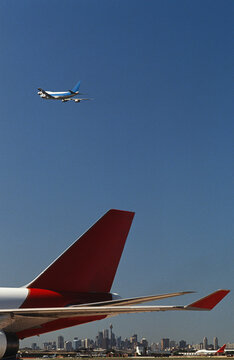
(90, 264)
(221, 350)
(76, 87)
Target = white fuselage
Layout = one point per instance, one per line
(206, 352)
(12, 298)
(59, 95)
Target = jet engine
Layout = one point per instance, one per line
(9, 344)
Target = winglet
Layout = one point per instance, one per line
(208, 302)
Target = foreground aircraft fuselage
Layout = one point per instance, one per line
(75, 288)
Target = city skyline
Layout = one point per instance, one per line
(108, 340)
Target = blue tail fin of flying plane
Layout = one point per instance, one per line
(76, 87)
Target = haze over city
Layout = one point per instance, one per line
(157, 139)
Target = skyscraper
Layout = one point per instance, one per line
(133, 339)
(99, 340)
(144, 343)
(75, 343)
(106, 339)
(68, 346)
(60, 342)
(205, 343)
(182, 344)
(119, 342)
(215, 343)
(165, 344)
(106, 334)
(87, 343)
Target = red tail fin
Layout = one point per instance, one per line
(90, 264)
(221, 350)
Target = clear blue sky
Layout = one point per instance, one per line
(157, 139)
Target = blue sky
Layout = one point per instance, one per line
(157, 140)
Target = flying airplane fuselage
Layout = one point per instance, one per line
(56, 95)
(64, 96)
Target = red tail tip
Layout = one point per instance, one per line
(221, 350)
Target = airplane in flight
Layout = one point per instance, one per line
(210, 352)
(76, 288)
(64, 96)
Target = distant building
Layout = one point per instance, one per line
(75, 343)
(99, 340)
(60, 342)
(126, 344)
(172, 344)
(215, 343)
(68, 346)
(133, 339)
(198, 346)
(140, 350)
(49, 345)
(144, 343)
(119, 342)
(155, 347)
(165, 343)
(106, 339)
(205, 343)
(87, 343)
(106, 334)
(182, 344)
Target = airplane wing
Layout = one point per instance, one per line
(136, 300)
(75, 99)
(46, 93)
(18, 320)
(79, 100)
